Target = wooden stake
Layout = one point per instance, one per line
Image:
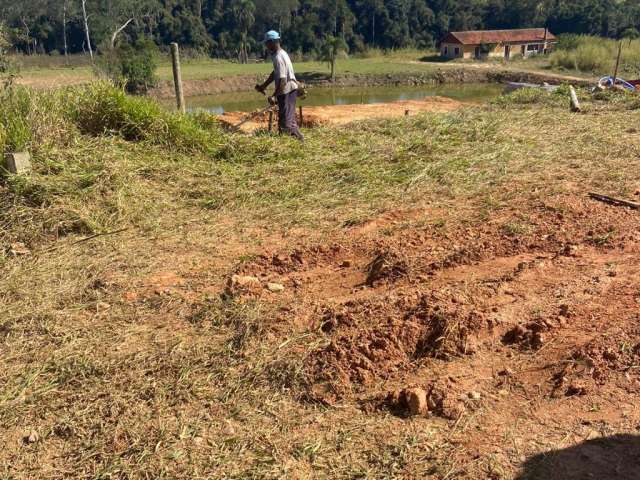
(270, 121)
(615, 73)
(177, 77)
(406, 113)
(575, 103)
(301, 117)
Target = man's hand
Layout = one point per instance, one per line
(273, 100)
(260, 88)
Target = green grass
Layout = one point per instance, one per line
(374, 62)
(596, 55)
(403, 62)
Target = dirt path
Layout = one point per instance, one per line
(343, 114)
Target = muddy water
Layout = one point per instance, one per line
(250, 101)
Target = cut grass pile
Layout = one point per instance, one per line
(94, 384)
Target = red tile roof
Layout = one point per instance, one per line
(499, 36)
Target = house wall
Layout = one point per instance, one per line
(448, 50)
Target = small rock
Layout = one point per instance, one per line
(417, 401)
(275, 287)
(503, 393)
(31, 437)
(475, 395)
(565, 311)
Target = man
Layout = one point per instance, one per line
(286, 92)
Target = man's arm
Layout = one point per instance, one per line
(262, 87)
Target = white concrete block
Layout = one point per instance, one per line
(18, 163)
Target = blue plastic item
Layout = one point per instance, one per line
(608, 82)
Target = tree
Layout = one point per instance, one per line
(85, 18)
(333, 47)
(5, 45)
(243, 12)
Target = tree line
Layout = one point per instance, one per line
(234, 28)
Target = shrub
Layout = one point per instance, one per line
(131, 66)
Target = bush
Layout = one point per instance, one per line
(131, 66)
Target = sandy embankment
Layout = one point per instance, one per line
(342, 114)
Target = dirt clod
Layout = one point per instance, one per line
(576, 389)
(275, 287)
(239, 284)
(416, 399)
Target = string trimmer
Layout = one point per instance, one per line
(253, 115)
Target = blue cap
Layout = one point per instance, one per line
(271, 36)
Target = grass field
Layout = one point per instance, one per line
(124, 354)
(53, 73)
(43, 74)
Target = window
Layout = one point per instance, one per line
(457, 51)
(533, 47)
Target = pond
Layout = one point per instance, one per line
(250, 101)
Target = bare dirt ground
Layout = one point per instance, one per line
(343, 114)
(504, 334)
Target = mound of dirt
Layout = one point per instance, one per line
(371, 340)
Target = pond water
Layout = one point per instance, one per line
(250, 101)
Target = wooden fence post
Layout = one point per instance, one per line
(575, 104)
(615, 73)
(301, 117)
(270, 120)
(177, 77)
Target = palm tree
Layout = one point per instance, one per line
(243, 12)
(331, 49)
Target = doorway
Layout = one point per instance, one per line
(507, 52)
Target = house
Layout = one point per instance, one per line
(497, 43)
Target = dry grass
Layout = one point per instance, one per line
(173, 382)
